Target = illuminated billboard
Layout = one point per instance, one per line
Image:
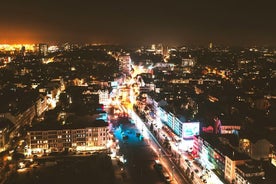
(189, 129)
(114, 84)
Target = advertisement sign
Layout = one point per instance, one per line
(189, 129)
(114, 84)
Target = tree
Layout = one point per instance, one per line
(192, 175)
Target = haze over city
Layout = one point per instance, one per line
(138, 22)
(137, 92)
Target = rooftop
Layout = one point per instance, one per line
(73, 122)
(224, 148)
(250, 167)
(4, 123)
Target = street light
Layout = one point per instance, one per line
(160, 153)
(172, 172)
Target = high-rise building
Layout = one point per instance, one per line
(211, 45)
(23, 50)
(5, 126)
(165, 51)
(43, 49)
(153, 47)
(125, 64)
(188, 62)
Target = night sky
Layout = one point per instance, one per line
(236, 22)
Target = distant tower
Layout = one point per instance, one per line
(165, 51)
(43, 49)
(23, 50)
(153, 47)
(210, 45)
(159, 49)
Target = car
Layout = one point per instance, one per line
(125, 137)
(167, 177)
(157, 165)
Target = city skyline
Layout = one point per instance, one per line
(152, 114)
(139, 22)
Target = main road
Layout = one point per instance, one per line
(175, 173)
(138, 157)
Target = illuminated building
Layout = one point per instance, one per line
(217, 155)
(231, 163)
(195, 151)
(21, 108)
(103, 95)
(257, 149)
(91, 94)
(221, 129)
(5, 126)
(125, 64)
(229, 129)
(153, 47)
(69, 46)
(83, 135)
(217, 125)
(210, 45)
(165, 51)
(4, 61)
(52, 89)
(185, 130)
(188, 62)
(16, 47)
(249, 173)
(43, 49)
(156, 49)
(3, 132)
(53, 48)
(41, 105)
(159, 49)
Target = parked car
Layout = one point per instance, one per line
(166, 177)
